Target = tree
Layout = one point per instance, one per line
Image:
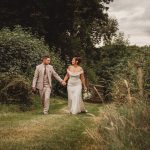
(54, 19)
(72, 26)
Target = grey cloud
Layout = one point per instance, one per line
(119, 5)
(134, 18)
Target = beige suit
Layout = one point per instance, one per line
(43, 86)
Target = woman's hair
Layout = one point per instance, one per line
(77, 59)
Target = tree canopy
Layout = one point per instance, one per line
(77, 22)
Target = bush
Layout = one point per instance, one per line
(15, 89)
(128, 70)
(91, 74)
(127, 126)
(21, 51)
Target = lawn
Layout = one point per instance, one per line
(57, 131)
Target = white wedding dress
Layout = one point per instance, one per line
(74, 87)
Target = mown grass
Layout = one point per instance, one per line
(58, 130)
(105, 126)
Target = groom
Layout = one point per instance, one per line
(43, 81)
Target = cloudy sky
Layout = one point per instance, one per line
(134, 19)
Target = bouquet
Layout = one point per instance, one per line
(87, 95)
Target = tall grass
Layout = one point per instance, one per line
(126, 127)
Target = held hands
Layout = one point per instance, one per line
(63, 83)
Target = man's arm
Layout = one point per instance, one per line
(36, 74)
(57, 77)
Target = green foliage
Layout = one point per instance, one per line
(145, 57)
(127, 70)
(91, 75)
(107, 62)
(125, 126)
(15, 89)
(53, 18)
(104, 32)
(20, 51)
(72, 26)
(117, 61)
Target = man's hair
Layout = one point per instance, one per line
(45, 57)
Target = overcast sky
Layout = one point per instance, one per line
(134, 19)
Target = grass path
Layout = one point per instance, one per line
(56, 131)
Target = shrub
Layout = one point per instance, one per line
(139, 59)
(21, 51)
(91, 74)
(15, 89)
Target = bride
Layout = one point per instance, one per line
(75, 77)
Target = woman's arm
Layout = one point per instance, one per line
(66, 77)
(57, 77)
(83, 81)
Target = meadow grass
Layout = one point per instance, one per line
(58, 130)
(104, 127)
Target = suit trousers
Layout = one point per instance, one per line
(45, 98)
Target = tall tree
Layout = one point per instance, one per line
(66, 24)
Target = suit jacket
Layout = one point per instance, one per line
(39, 76)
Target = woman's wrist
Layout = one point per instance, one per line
(85, 88)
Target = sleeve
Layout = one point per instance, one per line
(35, 78)
(57, 77)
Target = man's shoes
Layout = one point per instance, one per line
(45, 113)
